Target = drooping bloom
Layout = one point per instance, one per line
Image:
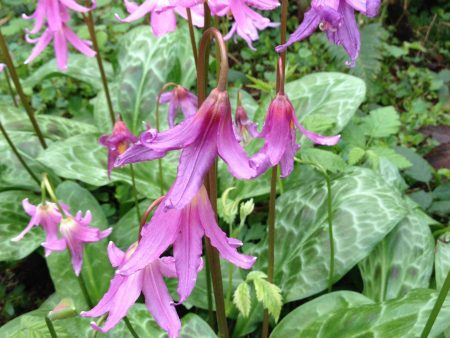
(125, 290)
(75, 231)
(117, 143)
(244, 128)
(57, 30)
(185, 229)
(179, 99)
(201, 137)
(247, 22)
(44, 214)
(163, 13)
(279, 133)
(337, 19)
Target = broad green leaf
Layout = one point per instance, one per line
(420, 171)
(365, 210)
(399, 317)
(322, 307)
(442, 259)
(355, 155)
(13, 219)
(382, 122)
(82, 158)
(401, 262)
(398, 160)
(96, 270)
(269, 295)
(145, 62)
(79, 67)
(192, 326)
(326, 159)
(241, 299)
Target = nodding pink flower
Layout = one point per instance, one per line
(337, 18)
(75, 231)
(117, 143)
(201, 137)
(46, 215)
(53, 11)
(163, 13)
(185, 229)
(245, 129)
(247, 22)
(125, 290)
(279, 133)
(179, 99)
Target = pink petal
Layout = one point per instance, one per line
(77, 43)
(137, 153)
(29, 208)
(115, 255)
(163, 23)
(287, 160)
(61, 51)
(55, 245)
(217, 237)
(166, 97)
(317, 138)
(35, 220)
(146, 7)
(41, 44)
(159, 302)
(187, 251)
(167, 267)
(73, 5)
(54, 15)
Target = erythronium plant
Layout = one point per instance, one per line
(181, 99)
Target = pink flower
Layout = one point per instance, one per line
(179, 99)
(75, 231)
(184, 229)
(2, 67)
(125, 290)
(117, 143)
(47, 216)
(245, 129)
(247, 22)
(163, 13)
(279, 133)
(337, 18)
(201, 137)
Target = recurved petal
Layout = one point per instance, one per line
(317, 138)
(163, 22)
(41, 44)
(167, 267)
(34, 221)
(61, 51)
(73, 5)
(77, 43)
(369, 8)
(137, 153)
(115, 255)
(29, 208)
(55, 245)
(138, 12)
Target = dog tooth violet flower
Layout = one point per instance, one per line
(125, 290)
(75, 231)
(337, 19)
(179, 98)
(201, 137)
(117, 143)
(279, 133)
(44, 214)
(245, 129)
(184, 229)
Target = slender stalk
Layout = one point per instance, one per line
(51, 328)
(88, 18)
(192, 36)
(52, 194)
(84, 290)
(135, 193)
(130, 327)
(10, 89)
(330, 230)
(19, 157)
(437, 307)
(147, 213)
(15, 78)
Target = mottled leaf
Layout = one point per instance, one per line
(326, 159)
(193, 326)
(420, 171)
(442, 259)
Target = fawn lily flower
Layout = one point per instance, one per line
(244, 128)
(47, 216)
(337, 18)
(75, 232)
(125, 290)
(119, 141)
(201, 137)
(279, 133)
(184, 229)
(179, 99)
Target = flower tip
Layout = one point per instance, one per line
(83, 314)
(119, 18)
(15, 239)
(280, 48)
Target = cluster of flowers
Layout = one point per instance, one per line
(335, 17)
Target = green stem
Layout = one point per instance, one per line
(130, 327)
(135, 193)
(84, 290)
(330, 230)
(10, 89)
(19, 157)
(52, 194)
(271, 239)
(51, 328)
(437, 307)
(10, 65)
(88, 18)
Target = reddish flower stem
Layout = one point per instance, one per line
(147, 213)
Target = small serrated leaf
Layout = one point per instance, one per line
(355, 155)
(241, 299)
(382, 122)
(256, 275)
(269, 295)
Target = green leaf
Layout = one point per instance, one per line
(192, 326)
(390, 154)
(401, 262)
(365, 209)
(13, 219)
(420, 171)
(82, 158)
(269, 295)
(241, 299)
(79, 67)
(96, 270)
(326, 159)
(442, 259)
(302, 317)
(400, 317)
(382, 122)
(355, 155)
